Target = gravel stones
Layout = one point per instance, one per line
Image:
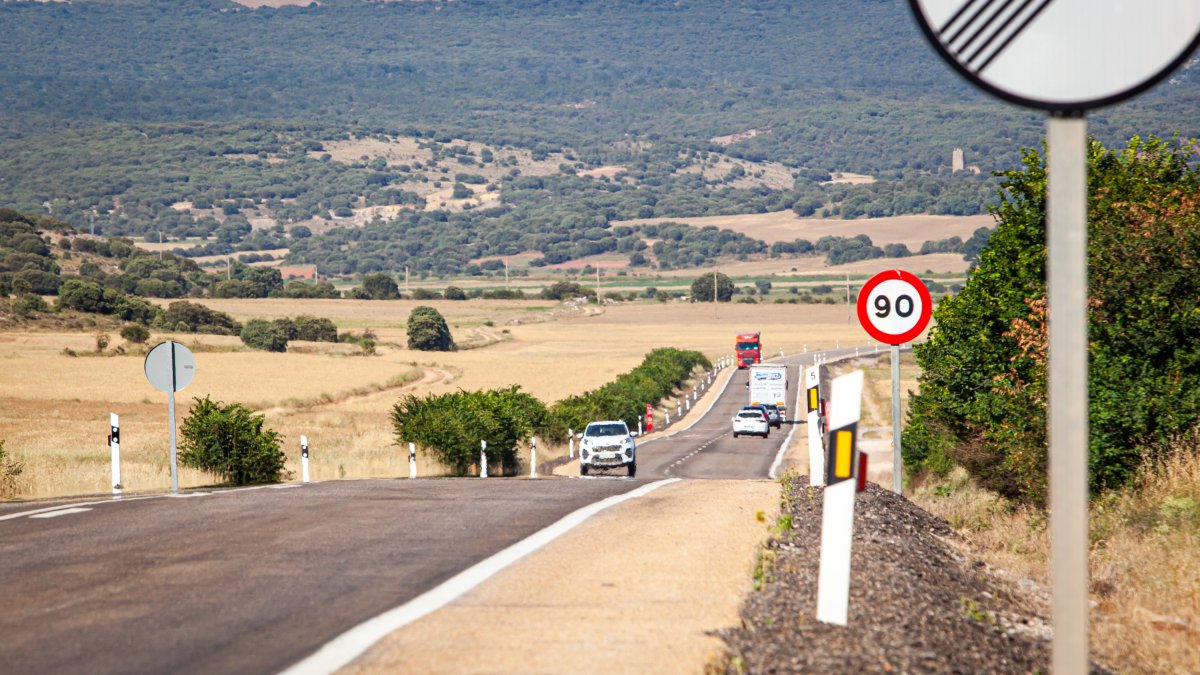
(917, 605)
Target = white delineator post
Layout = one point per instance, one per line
(304, 458)
(483, 459)
(837, 516)
(114, 445)
(639, 425)
(570, 444)
(533, 457)
(816, 449)
(412, 460)
(1067, 295)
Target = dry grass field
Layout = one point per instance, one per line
(54, 407)
(787, 226)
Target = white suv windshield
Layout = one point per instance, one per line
(607, 430)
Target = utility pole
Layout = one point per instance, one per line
(160, 241)
(406, 289)
(597, 285)
(506, 274)
(848, 312)
(229, 268)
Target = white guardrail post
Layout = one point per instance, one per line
(483, 459)
(837, 516)
(412, 461)
(570, 444)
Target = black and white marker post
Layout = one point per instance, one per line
(894, 307)
(170, 367)
(816, 448)
(1065, 57)
(304, 458)
(114, 446)
(841, 486)
(412, 461)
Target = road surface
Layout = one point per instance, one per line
(253, 580)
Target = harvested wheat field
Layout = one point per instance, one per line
(787, 226)
(54, 407)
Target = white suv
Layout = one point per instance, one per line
(607, 445)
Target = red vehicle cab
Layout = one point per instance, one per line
(749, 349)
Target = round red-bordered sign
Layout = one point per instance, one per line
(894, 306)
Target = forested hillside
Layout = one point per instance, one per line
(112, 112)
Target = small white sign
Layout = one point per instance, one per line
(170, 366)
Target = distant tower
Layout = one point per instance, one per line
(956, 160)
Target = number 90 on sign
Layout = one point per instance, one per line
(894, 306)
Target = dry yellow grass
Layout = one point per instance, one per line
(787, 226)
(1145, 558)
(54, 408)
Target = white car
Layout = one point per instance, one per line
(607, 445)
(752, 421)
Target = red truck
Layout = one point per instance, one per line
(749, 349)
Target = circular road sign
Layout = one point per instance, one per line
(894, 306)
(1062, 55)
(170, 366)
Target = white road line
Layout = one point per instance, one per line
(48, 509)
(350, 645)
(60, 512)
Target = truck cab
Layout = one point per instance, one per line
(748, 348)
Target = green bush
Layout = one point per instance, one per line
(702, 288)
(625, 398)
(315, 329)
(135, 333)
(982, 400)
(454, 293)
(452, 425)
(427, 330)
(265, 335)
(230, 441)
(190, 317)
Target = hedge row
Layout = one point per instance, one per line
(452, 425)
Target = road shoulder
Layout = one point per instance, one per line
(640, 587)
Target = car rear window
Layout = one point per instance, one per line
(750, 414)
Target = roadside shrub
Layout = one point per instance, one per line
(982, 400)
(231, 442)
(190, 317)
(625, 398)
(454, 293)
(315, 329)
(427, 330)
(135, 333)
(702, 288)
(380, 286)
(452, 425)
(264, 335)
(10, 470)
(29, 304)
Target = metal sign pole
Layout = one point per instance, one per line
(1066, 221)
(897, 464)
(174, 466)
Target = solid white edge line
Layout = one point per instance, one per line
(773, 472)
(61, 512)
(348, 646)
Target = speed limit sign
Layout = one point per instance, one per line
(894, 306)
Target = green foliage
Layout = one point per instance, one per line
(315, 329)
(702, 287)
(29, 304)
(380, 286)
(427, 330)
(135, 333)
(265, 335)
(454, 293)
(982, 401)
(231, 442)
(452, 425)
(190, 317)
(567, 290)
(625, 398)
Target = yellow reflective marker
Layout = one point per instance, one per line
(813, 403)
(843, 453)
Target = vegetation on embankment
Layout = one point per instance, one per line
(982, 400)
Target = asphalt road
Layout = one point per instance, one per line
(251, 581)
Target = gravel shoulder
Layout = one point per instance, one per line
(918, 602)
(640, 587)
